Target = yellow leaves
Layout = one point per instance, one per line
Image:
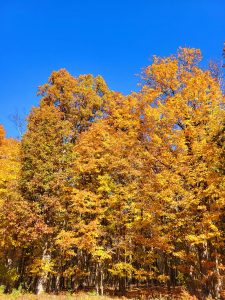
(66, 240)
(195, 240)
(8, 274)
(84, 201)
(123, 112)
(9, 177)
(2, 134)
(142, 274)
(86, 233)
(189, 56)
(163, 278)
(101, 255)
(122, 269)
(105, 184)
(80, 99)
(121, 181)
(75, 270)
(210, 232)
(180, 254)
(201, 207)
(41, 266)
(9, 164)
(163, 74)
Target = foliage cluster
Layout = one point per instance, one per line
(106, 189)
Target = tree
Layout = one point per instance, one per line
(68, 106)
(186, 111)
(106, 186)
(46, 171)
(80, 98)
(106, 189)
(19, 225)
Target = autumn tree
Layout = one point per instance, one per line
(107, 168)
(80, 99)
(46, 164)
(68, 106)
(112, 190)
(186, 110)
(19, 223)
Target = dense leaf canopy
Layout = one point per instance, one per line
(106, 189)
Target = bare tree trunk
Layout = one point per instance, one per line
(122, 285)
(42, 280)
(99, 279)
(96, 280)
(57, 283)
(218, 284)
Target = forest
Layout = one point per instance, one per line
(106, 190)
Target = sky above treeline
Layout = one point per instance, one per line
(115, 39)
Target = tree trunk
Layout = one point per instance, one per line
(99, 279)
(122, 285)
(42, 279)
(218, 285)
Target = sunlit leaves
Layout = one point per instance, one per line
(106, 188)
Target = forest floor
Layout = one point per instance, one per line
(134, 294)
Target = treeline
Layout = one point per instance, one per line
(113, 190)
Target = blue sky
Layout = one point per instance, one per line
(113, 38)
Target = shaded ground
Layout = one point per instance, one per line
(155, 293)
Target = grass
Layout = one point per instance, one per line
(15, 295)
(69, 297)
(133, 294)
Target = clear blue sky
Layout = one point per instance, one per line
(113, 38)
